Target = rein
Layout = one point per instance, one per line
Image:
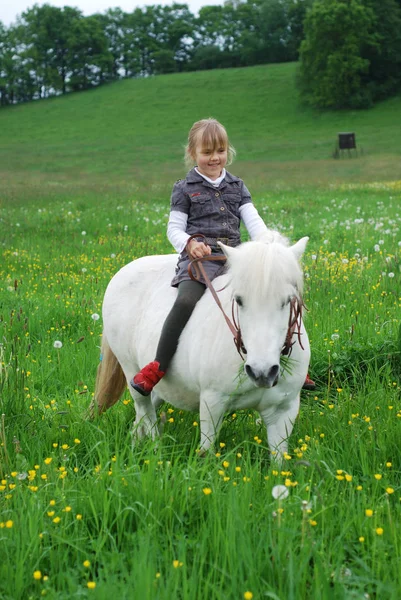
(294, 326)
(196, 270)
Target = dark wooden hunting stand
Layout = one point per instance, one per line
(346, 143)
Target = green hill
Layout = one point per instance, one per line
(131, 133)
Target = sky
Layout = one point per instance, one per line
(10, 9)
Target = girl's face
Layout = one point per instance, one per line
(210, 162)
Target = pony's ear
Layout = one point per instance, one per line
(228, 250)
(299, 248)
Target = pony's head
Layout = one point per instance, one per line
(264, 279)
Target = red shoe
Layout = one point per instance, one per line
(309, 384)
(146, 379)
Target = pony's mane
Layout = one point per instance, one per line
(265, 269)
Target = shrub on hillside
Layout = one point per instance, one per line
(351, 54)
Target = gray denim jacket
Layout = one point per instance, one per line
(211, 211)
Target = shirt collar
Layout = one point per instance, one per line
(193, 176)
(214, 182)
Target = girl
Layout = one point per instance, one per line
(211, 201)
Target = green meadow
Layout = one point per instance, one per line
(85, 182)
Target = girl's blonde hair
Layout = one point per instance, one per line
(209, 134)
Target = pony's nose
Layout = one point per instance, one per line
(261, 378)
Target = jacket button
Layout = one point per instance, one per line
(224, 224)
(217, 194)
(221, 207)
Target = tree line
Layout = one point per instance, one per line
(349, 51)
(54, 50)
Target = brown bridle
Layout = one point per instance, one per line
(196, 270)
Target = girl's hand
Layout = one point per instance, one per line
(198, 249)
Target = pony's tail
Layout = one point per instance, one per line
(110, 380)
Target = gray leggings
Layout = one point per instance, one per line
(189, 292)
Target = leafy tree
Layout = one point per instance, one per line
(209, 26)
(275, 31)
(144, 39)
(163, 61)
(91, 62)
(351, 55)
(48, 34)
(113, 23)
(179, 29)
(12, 68)
(384, 74)
(5, 64)
(296, 13)
(206, 57)
(332, 62)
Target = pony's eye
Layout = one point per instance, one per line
(238, 300)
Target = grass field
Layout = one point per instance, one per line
(85, 189)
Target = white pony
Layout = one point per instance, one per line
(263, 279)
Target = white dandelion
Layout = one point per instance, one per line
(280, 492)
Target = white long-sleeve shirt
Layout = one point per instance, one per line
(177, 223)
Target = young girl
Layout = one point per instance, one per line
(211, 201)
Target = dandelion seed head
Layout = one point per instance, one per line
(280, 492)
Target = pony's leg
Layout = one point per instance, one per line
(211, 412)
(145, 417)
(279, 425)
(157, 400)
